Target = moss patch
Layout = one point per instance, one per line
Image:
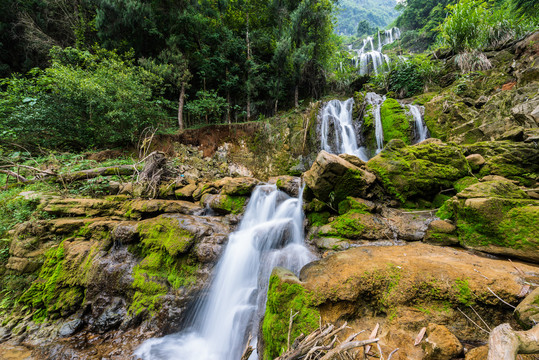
(166, 233)
(284, 297)
(463, 183)
(394, 121)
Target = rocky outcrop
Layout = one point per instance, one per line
(404, 288)
(497, 217)
(441, 344)
(421, 170)
(333, 178)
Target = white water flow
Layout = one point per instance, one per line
(368, 58)
(421, 130)
(270, 234)
(376, 101)
(337, 125)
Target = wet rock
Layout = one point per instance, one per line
(23, 265)
(441, 344)
(236, 186)
(357, 226)
(111, 317)
(527, 312)
(139, 208)
(125, 233)
(70, 327)
(331, 174)
(420, 170)
(441, 233)
(209, 249)
(475, 161)
(289, 184)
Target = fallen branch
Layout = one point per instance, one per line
(248, 349)
(347, 346)
(505, 344)
(15, 175)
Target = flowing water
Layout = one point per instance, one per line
(369, 59)
(421, 130)
(337, 132)
(270, 234)
(376, 101)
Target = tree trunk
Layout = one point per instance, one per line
(180, 107)
(248, 68)
(504, 343)
(228, 108)
(296, 96)
(275, 109)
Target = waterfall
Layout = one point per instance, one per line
(376, 101)
(337, 118)
(421, 130)
(368, 58)
(270, 234)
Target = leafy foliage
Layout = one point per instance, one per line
(82, 100)
(376, 13)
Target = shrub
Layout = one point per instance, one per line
(82, 100)
(463, 29)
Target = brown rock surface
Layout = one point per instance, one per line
(441, 344)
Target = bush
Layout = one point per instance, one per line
(463, 29)
(82, 100)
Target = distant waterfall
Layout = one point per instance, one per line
(368, 58)
(337, 131)
(270, 234)
(376, 101)
(421, 130)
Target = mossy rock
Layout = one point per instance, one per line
(527, 312)
(356, 224)
(395, 122)
(286, 294)
(166, 233)
(418, 171)
(224, 204)
(463, 183)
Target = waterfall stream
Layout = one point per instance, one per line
(368, 58)
(421, 130)
(376, 101)
(270, 234)
(337, 119)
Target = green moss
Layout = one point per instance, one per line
(165, 233)
(350, 184)
(318, 218)
(439, 200)
(232, 204)
(464, 294)
(394, 121)
(463, 183)
(284, 298)
(351, 203)
(346, 226)
(519, 227)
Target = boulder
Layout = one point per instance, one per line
(333, 177)
(527, 312)
(224, 204)
(137, 209)
(236, 186)
(289, 184)
(475, 161)
(497, 217)
(441, 233)
(418, 171)
(441, 344)
(352, 159)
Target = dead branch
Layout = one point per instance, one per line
(320, 345)
(290, 322)
(391, 353)
(15, 175)
(505, 344)
(373, 336)
(248, 349)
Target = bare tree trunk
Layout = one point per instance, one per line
(296, 96)
(180, 107)
(248, 68)
(504, 343)
(275, 109)
(228, 119)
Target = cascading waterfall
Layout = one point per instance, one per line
(376, 101)
(421, 130)
(368, 58)
(270, 234)
(337, 118)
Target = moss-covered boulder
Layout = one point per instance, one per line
(224, 204)
(441, 233)
(418, 171)
(286, 295)
(332, 178)
(289, 184)
(513, 160)
(496, 217)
